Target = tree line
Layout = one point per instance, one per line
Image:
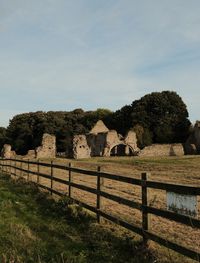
(159, 117)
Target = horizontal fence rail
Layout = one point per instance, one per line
(7, 165)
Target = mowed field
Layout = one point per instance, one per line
(180, 170)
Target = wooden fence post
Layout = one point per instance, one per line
(144, 204)
(6, 167)
(7, 163)
(70, 179)
(3, 166)
(38, 170)
(98, 193)
(51, 177)
(10, 167)
(28, 170)
(8, 170)
(15, 167)
(21, 168)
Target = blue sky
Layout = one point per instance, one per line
(67, 54)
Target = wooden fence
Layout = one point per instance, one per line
(11, 166)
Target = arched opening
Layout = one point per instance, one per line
(121, 150)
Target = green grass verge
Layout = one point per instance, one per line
(36, 228)
(148, 160)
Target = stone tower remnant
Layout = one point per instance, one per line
(7, 152)
(48, 147)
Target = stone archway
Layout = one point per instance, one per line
(121, 149)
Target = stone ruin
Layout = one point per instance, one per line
(104, 142)
(192, 145)
(46, 150)
(101, 141)
(48, 147)
(80, 147)
(7, 152)
(30, 155)
(162, 150)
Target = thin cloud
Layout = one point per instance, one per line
(62, 53)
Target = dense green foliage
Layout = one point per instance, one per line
(25, 130)
(163, 116)
(159, 117)
(3, 136)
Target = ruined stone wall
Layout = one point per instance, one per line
(192, 145)
(99, 127)
(112, 139)
(7, 152)
(30, 155)
(197, 136)
(102, 142)
(96, 143)
(162, 150)
(131, 140)
(80, 147)
(48, 147)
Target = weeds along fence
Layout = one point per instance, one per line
(17, 167)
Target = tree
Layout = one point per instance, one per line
(91, 117)
(159, 117)
(163, 115)
(25, 130)
(19, 133)
(144, 136)
(3, 137)
(120, 120)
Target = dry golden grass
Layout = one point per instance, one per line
(179, 170)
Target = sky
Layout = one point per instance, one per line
(89, 54)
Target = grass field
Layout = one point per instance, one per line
(181, 170)
(35, 228)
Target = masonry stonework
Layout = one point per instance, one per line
(192, 145)
(48, 147)
(30, 155)
(103, 142)
(162, 150)
(80, 147)
(7, 152)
